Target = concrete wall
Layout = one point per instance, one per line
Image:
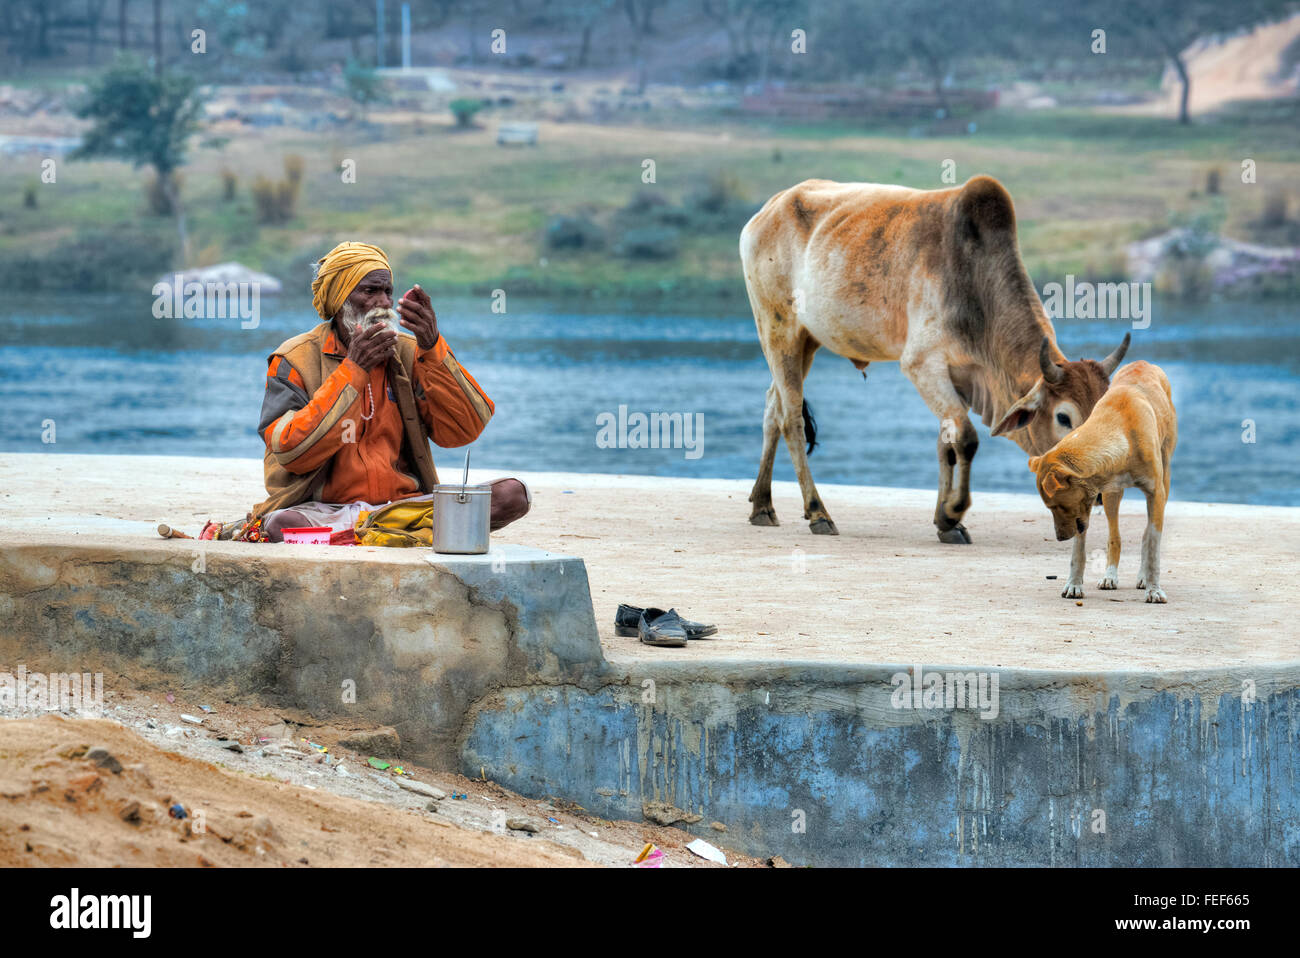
(292, 624)
(494, 662)
(815, 764)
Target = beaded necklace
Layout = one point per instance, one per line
(370, 396)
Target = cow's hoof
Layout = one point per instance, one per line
(823, 527)
(1157, 595)
(764, 517)
(956, 536)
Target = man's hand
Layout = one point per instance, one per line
(372, 346)
(418, 316)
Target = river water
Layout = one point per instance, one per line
(115, 380)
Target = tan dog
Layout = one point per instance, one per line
(1126, 441)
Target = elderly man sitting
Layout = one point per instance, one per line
(351, 405)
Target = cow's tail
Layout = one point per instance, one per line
(809, 427)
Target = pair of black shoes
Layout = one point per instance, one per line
(657, 627)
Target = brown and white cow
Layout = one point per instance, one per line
(931, 279)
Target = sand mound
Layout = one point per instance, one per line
(93, 793)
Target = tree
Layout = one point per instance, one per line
(639, 14)
(464, 110)
(745, 20)
(364, 86)
(936, 37)
(581, 17)
(146, 119)
(1173, 25)
(780, 16)
(94, 16)
(157, 37)
(1137, 29)
(28, 23)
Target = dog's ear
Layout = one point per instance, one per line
(1033, 463)
(1055, 480)
(1021, 412)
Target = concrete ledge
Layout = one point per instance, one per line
(421, 636)
(1113, 707)
(493, 662)
(813, 762)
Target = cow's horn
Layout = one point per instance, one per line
(1110, 362)
(1051, 372)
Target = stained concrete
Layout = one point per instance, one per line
(386, 634)
(884, 590)
(815, 764)
(1185, 751)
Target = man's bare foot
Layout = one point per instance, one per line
(284, 519)
(509, 502)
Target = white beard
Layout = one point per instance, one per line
(352, 319)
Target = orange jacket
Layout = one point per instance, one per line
(359, 449)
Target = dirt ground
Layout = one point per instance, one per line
(278, 801)
(884, 591)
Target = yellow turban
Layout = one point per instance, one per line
(340, 270)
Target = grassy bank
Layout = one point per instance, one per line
(460, 214)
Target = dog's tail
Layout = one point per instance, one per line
(809, 427)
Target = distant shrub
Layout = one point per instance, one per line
(1185, 274)
(464, 110)
(119, 258)
(210, 255)
(297, 57)
(264, 199)
(645, 201)
(1275, 226)
(156, 196)
(229, 184)
(672, 216)
(29, 195)
(1186, 279)
(1111, 267)
(1274, 214)
(649, 207)
(651, 242)
(719, 192)
(718, 204)
(1213, 178)
(363, 84)
(573, 232)
(277, 202)
(286, 199)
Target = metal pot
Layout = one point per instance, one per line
(461, 518)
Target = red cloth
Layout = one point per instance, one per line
(345, 537)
